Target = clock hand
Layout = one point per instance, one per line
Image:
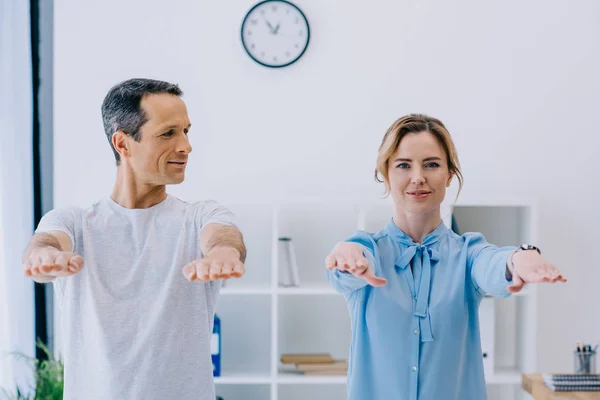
(270, 26)
(276, 29)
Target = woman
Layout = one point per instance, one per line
(413, 289)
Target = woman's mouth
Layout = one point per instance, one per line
(419, 194)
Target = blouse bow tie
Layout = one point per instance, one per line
(422, 257)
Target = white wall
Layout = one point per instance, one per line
(515, 82)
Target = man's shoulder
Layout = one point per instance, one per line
(197, 205)
(205, 211)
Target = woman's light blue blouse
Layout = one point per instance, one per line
(417, 337)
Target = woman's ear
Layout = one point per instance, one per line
(449, 181)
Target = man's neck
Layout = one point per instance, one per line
(129, 192)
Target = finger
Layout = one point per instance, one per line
(61, 262)
(559, 277)
(46, 269)
(189, 271)
(517, 284)
(58, 268)
(215, 270)
(238, 270)
(330, 262)
(373, 280)
(341, 263)
(47, 263)
(27, 268)
(35, 260)
(202, 271)
(75, 263)
(226, 271)
(351, 265)
(546, 273)
(361, 264)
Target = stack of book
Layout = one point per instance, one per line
(572, 382)
(313, 364)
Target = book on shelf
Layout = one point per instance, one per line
(572, 382)
(306, 358)
(333, 372)
(335, 365)
(313, 364)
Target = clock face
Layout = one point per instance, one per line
(275, 33)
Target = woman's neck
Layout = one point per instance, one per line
(417, 226)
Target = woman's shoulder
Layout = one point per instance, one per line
(465, 238)
(369, 239)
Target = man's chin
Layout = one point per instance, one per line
(175, 180)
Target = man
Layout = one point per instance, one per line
(137, 319)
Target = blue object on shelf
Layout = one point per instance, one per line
(215, 347)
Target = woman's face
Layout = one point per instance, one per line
(418, 173)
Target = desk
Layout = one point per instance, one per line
(534, 385)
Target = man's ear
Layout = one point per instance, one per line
(120, 142)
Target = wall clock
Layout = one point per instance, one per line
(275, 33)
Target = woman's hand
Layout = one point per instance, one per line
(348, 257)
(531, 267)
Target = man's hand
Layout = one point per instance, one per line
(48, 261)
(531, 267)
(349, 257)
(220, 263)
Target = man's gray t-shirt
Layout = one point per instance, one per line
(132, 326)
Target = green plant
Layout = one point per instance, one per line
(48, 376)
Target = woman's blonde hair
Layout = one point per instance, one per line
(415, 123)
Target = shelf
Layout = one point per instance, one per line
(248, 289)
(306, 290)
(294, 379)
(503, 376)
(264, 289)
(243, 379)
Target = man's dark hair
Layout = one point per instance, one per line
(122, 110)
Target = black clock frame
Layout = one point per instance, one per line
(246, 47)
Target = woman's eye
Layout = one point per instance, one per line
(403, 165)
(432, 165)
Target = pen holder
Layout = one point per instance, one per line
(585, 362)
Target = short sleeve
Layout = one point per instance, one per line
(63, 220)
(60, 219)
(211, 212)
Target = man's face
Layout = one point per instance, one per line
(160, 157)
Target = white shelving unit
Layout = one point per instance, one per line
(261, 320)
